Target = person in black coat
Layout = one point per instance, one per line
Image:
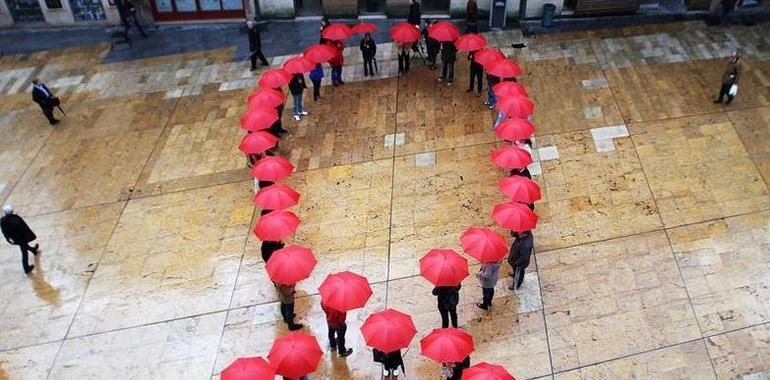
(519, 256)
(269, 247)
(431, 45)
(415, 13)
(448, 56)
(458, 368)
(403, 57)
(477, 73)
(255, 46)
(45, 99)
(390, 363)
(17, 232)
(368, 51)
(297, 86)
(448, 297)
(127, 13)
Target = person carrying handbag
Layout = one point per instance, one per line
(730, 79)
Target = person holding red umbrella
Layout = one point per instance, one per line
(448, 57)
(368, 51)
(488, 275)
(316, 75)
(335, 320)
(297, 87)
(337, 62)
(454, 371)
(286, 296)
(518, 258)
(390, 361)
(403, 57)
(432, 46)
(448, 297)
(477, 72)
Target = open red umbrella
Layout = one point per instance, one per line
(274, 78)
(364, 27)
(265, 98)
(488, 56)
(276, 197)
(337, 32)
(470, 42)
(257, 142)
(345, 291)
(291, 264)
(515, 106)
(483, 244)
(504, 69)
(511, 157)
(248, 369)
(520, 189)
(448, 345)
(319, 53)
(485, 371)
(388, 330)
(404, 33)
(272, 168)
(509, 88)
(515, 129)
(443, 267)
(276, 225)
(295, 355)
(443, 31)
(298, 65)
(259, 118)
(514, 216)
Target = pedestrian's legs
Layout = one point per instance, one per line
(400, 63)
(366, 68)
(444, 317)
(253, 58)
(284, 315)
(24, 257)
(444, 69)
(487, 295)
(453, 316)
(301, 106)
(451, 73)
(370, 62)
(491, 98)
(280, 110)
(332, 339)
(138, 26)
(407, 61)
(341, 339)
(479, 80)
(126, 27)
(297, 104)
(723, 91)
(519, 278)
(48, 112)
(262, 58)
(316, 89)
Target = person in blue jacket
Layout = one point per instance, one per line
(315, 76)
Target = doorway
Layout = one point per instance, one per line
(173, 10)
(305, 8)
(25, 11)
(435, 7)
(371, 7)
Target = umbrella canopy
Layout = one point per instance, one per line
(511, 157)
(515, 106)
(295, 355)
(504, 69)
(248, 369)
(276, 197)
(488, 56)
(443, 31)
(485, 371)
(515, 129)
(389, 330)
(470, 42)
(449, 345)
(276, 225)
(364, 28)
(265, 98)
(319, 53)
(508, 88)
(274, 78)
(520, 189)
(443, 267)
(298, 65)
(291, 264)
(404, 33)
(514, 216)
(345, 291)
(337, 32)
(272, 168)
(259, 118)
(483, 244)
(257, 142)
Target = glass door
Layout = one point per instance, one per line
(25, 11)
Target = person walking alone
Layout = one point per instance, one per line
(730, 78)
(518, 257)
(368, 51)
(286, 297)
(448, 56)
(17, 232)
(391, 361)
(297, 88)
(45, 99)
(477, 73)
(471, 17)
(488, 275)
(316, 75)
(335, 320)
(415, 14)
(127, 14)
(255, 46)
(448, 297)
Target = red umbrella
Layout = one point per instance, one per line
(259, 118)
(364, 28)
(511, 157)
(515, 106)
(449, 345)
(265, 98)
(291, 264)
(504, 69)
(295, 355)
(272, 168)
(298, 65)
(520, 189)
(248, 369)
(274, 78)
(514, 216)
(320, 53)
(337, 32)
(345, 291)
(257, 142)
(443, 267)
(470, 42)
(276, 225)
(443, 31)
(515, 129)
(508, 88)
(389, 330)
(488, 56)
(404, 33)
(483, 244)
(276, 197)
(485, 371)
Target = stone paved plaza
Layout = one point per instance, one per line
(652, 255)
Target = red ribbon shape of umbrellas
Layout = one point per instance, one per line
(260, 118)
(276, 225)
(274, 78)
(337, 32)
(319, 53)
(514, 216)
(291, 264)
(520, 189)
(515, 106)
(248, 369)
(515, 129)
(448, 345)
(345, 291)
(471, 42)
(444, 267)
(443, 31)
(404, 33)
(272, 168)
(364, 27)
(257, 142)
(389, 330)
(483, 244)
(298, 65)
(511, 157)
(295, 355)
(488, 56)
(508, 88)
(486, 371)
(265, 98)
(276, 197)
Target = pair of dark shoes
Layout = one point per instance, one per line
(53, 122)
(345, 353)
(482, 306)
(296, 326)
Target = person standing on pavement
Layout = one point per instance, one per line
(471, 17)
(432, 46)
(518, 257)
(454, 371)
(368, 51)
(45, 99)
(448, 297)
(403, 57)
(488, 275)
(286, 297)
(391, 361)
(730, 78)
(491, 97)
(316, 75)
(324, 23)
(337, 62)
(297, 88)
(448, 56)
(415, 14)
(335, 320)
(17, 232)
(477, 73)
(255, 46)
(269, 247)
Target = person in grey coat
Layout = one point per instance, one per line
(488, 275)
(518, 257)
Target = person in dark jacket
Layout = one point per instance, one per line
(415, 13)
(477, 74)
(522, 172)
(403, 57)
(518, 257)
(488, 275)
(448, 56)
(432, 46)
(316, 75)
(45, 99)
(255, 46)
(337, 62)
(368, 51)
(286, 297)
(127, 13)
(455, 370)
(448, 297)
(17, 232)
(728, 10)
(730, 78)
(491, 97)
(390, 363)
(335, 320)
(297, 87)
(269, 247)
(324, 23)
(471, 17)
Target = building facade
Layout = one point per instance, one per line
(58, 12)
